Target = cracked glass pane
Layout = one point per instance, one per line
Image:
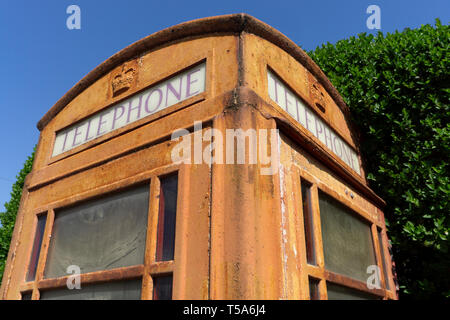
(101, 234)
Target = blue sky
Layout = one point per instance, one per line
(41, 59)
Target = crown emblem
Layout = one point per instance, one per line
(317, 95)
(123, 80)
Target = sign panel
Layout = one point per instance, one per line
(304, 115)
(141, 105)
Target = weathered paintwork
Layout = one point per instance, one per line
(239, 233)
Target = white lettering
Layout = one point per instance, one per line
(304, 115)
(149, 101)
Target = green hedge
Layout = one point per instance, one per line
(397, 88)
(8, 218)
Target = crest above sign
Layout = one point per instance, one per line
(123, 79)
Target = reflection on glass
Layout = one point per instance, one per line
(39, 235)
(117, 290)
(100, 234)
(308, 222)
(162, 288)
(167, 218)
(347, 240)
(337, 292)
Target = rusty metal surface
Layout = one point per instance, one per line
(239, 233)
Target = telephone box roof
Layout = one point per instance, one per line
(233, 23)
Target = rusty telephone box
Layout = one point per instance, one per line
(210, 160)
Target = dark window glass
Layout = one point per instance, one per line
(26, 296)
(117, 290)
(167, 218)
(308, 222)
(337, 292)
(162, 288)
(314, 289)
(100, 234)
(347, 240)
(39, 235)
(380, 241)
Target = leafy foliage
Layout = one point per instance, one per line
(397, 88)
(8, 218)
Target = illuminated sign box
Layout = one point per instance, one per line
(141, 105)
(304, 115)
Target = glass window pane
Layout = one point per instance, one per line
(380, 241)
(39, 235)
(26, 296)
(308, 222)
(101, 234)
(337, 292)
(347, 240)
(117, 290)
(162, 288)
(314, 289)
(167, 218)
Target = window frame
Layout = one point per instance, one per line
(147, 271)
(318, 271)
